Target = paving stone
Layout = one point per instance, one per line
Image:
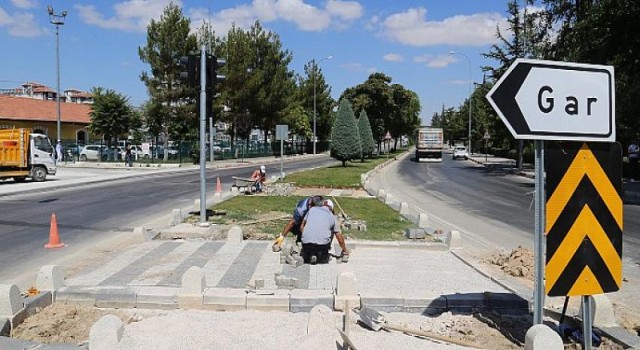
(426, 306)
(300, 274)
(157, 298)
(137, 267)
(321, 320)
(415, 233)
(190, 301)
(464, 302)
(7, 343)
(193, 281)
(404, 208)
(106, 333)
(18, 318)
(35, 303)
(244, 266)
(198, 258)
(176, 217)
(423, 220)
(501, 301)
(5, 328)
(116, 298)
(381, 303)
(76, 295)
(303, 300)
(454, 239)
(278, 301)
(542, 337)
(225, 299)
(50, 277)
(10, 300)
(235, 235)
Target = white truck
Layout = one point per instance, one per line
(24, 154)
(429, 144)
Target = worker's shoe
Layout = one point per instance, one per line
(314, 260)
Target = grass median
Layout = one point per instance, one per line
(269, 214)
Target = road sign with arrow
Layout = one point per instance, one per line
(549, 100)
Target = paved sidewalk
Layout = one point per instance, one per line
(247, 275)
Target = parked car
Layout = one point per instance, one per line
(95, 152)
(460, 152)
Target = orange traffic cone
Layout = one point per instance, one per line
(54, 238)
(218, 188)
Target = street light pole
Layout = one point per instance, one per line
(470, 89)
(315, 65)
(57, 19)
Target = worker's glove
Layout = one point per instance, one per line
(277, 245)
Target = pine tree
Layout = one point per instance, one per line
(366, 136)
(345, 140)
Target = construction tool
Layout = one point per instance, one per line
(375, 320)
(277, 245)
(344, 215)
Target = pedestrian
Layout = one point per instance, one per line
(127, 156)
(58, 152)
(299, 212)
(632, 154)
(318, 229)
(260, 177)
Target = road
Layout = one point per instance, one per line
(96, 216)
(490, 204)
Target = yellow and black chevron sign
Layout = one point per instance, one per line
(583, 218)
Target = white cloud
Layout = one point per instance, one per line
(24, 4)
(4, 17)
(435, 61)
(22, 24)
(135, 15)
(132, 15)
(393, 57)
(412, 28)
(346, 10)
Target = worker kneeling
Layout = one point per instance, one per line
(318, 229)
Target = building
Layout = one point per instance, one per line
(41, 115)
(42, 92)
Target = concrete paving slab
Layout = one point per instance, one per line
(277, 301)
(120, 298)
(303, 300)
(225, 299)
(164, 298)
(239, 273)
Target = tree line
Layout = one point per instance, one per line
(259, 90)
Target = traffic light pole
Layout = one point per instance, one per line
(203, 126)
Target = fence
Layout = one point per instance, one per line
(185, 151)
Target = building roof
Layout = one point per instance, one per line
(29, 109)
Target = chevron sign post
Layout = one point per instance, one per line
(565, 101)
(584, 218)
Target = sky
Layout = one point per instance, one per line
(408, 40)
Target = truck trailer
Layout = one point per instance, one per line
(429, 144)
(25, 155)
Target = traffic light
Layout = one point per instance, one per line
(189, 72)
(213, 76)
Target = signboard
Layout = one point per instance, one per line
(387, 136)
(486, 135)
(549, 100)
(282, 132)
(584, 218)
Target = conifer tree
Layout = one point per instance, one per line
(345, 140)
(366, 136)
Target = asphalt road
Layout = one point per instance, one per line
(465, 195)
(89, 214)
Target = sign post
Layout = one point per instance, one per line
(558, 101)
(486, 139)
